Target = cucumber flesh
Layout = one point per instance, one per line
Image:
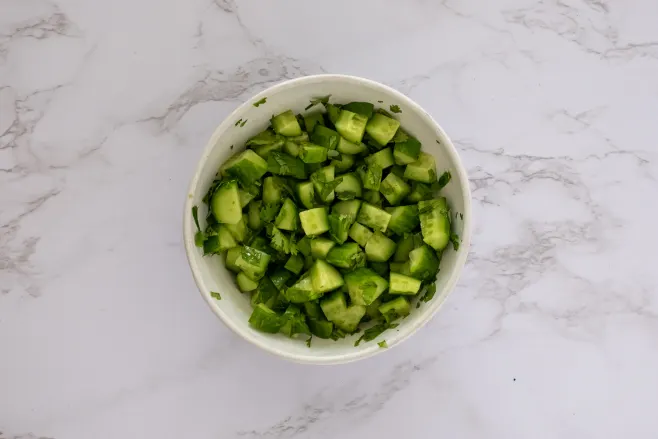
(373, 217)
(245, 284)
(360, 233)
(306, 194)
(395, 309)
(435, 222)
(225, 203)
(365, 286)
(422, 170)
(394, 189)
(351, 126)
(401, 284)
(286, 124)
(325, 277)
(382, 128)
(288, 216)
(379, 248)
(248, 167)
(320, 247)
(314, 221)
(346, 318)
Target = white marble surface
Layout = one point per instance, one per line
(105, 107)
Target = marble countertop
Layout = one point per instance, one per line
(552, 331)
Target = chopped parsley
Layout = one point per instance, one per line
(231, 146)
(316, 101)
(461, 215)
(199, 236)
(381, 102)
(444, 179)
(261, 102)
(429, 292)
(238, 122)
(374, 331)
(395, 109)
(437, 142)
(382, 344)
(215, 295)
(243, 123)
(308, 342)
(456, 240)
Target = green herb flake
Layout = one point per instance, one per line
(308, 342)
(382, 344)
(461, 216)
(199, 236)
(261, 102)
(395, 109)
(429, 293)
(215, 295)
(238, 122)
(437, 142)
(381, 102)
(374, 331)
(444, 179)
(243, 123)
(456, 240)
(316, 101)
(231, 146)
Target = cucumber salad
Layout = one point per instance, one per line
(332, 221)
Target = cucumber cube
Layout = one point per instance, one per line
(351, 126)
(423, 169)
(347, 147)
(371, 176)
(360, 234)
(252, 262)
(295, 264)
(225, 203)
(404, 219)
(320, 247)
(363, 108)
(288, 216)
(325, 277)
(365, 286)
(383, 158)
(248, 167)
(395, 309)
(280, 163)
(346, 318)
(423, 263)
(394, 189)
(406, 152)
(324, 136)
(286, 124)
(373, 217)
(320, 178)
(435, 222)
(382, 128)
(343, 163)
(265, 320)
(306, 194)
(245, 284)
(232, 256)
(314, 221)
(420, 192)
(310, 153)
(400, 267)
(321, 328)
(313, 119)
(379, 248)
(346, 256)
(349, 188)
(339, 227)
(302, 291)
(401, 284)
(272, 189)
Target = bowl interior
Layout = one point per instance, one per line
(211, 275)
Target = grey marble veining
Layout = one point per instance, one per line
(552, 331)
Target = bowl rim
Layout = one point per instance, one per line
(188, 235)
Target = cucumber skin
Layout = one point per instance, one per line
(225, 203)
(435, 222)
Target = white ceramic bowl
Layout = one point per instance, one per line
(209, 272)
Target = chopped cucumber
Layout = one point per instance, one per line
(372, 225)
(320, 247)
(395, 309)
(365, 286)
(225, 203)
(347, 147)
(401, 284)
(383, 158)
(325, 137)
(423, 263)
(404, 219)
(373, 217)
(349, 188)
(288, 216)
(394, 189)
(406, 152)
(248, 167)
(286, 124)
(295, 264)
(346, 318)
(280, 163)
(345, 256)
(379, 248)
(360, 234)
(313, 119)
(351, 126)
(435, 222)
(310, 153)
(382, 128)
(245, 284)
(325, 277)
(306, 194)
(423, 169)
(314, 221)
